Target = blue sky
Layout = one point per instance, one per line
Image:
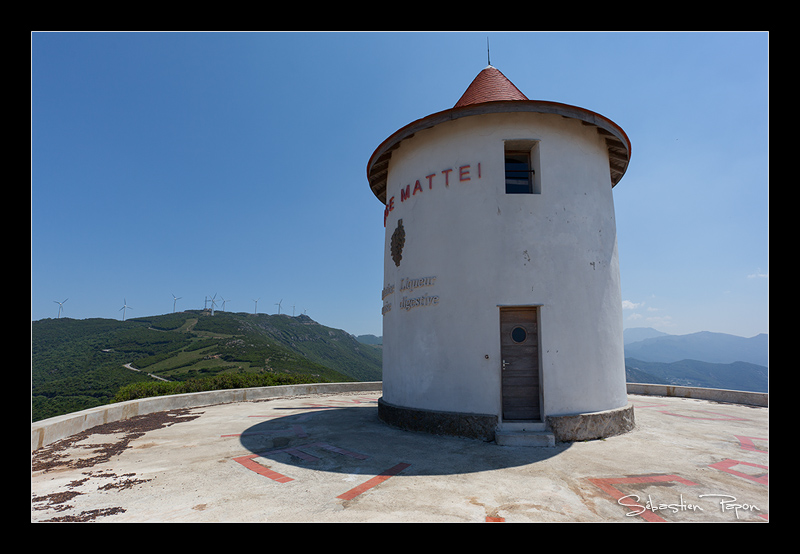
(195, 164)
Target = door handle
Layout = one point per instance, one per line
(505, 363)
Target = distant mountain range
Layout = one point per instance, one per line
(79, 364)
(704, 359)
(653, 346)
(370, 339)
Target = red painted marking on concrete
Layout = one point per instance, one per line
(247, 461)
(606, 486)
(299, 431)
(340, 403)
(377, 480)
(299, 454)
(281, 416)
(296, 451)
(495, 519)
(358, 401)
(342, 451)
(748, 444)
(726, 465)
(245, 434)
(720, 417)
(296, 429)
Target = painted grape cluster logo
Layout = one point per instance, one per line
(398, 241)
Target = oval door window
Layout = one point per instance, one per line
(518, 334)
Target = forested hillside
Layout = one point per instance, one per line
(694, 373)
(79, 364)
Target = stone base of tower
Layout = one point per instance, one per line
(473, 426)
(593, 425)
(565, 428)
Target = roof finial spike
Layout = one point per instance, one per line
(488, 58)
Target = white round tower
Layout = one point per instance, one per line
(501, 301)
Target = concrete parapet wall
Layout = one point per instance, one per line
(50, 430)
(717, 395)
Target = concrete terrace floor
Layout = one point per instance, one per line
(328, 458)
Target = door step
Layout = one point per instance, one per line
(524, 434)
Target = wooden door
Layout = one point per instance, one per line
(519, 350)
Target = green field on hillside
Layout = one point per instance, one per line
(79, 364)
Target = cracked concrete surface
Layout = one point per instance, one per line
(328, 458)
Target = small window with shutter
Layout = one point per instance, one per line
(521, 159)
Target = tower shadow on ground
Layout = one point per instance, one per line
(354, 440)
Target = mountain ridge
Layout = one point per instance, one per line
(79, 364)
(703, 359)
(705, 346)
(742, 376)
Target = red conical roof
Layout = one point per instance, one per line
(489, 93)
(489, 86)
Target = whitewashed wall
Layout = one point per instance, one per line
(556, 249)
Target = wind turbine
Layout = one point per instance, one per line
(60, 305)
(213, 303)
(174, 301)
(279, 306)
(223, 303)
(255, 310)
(124, 307)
